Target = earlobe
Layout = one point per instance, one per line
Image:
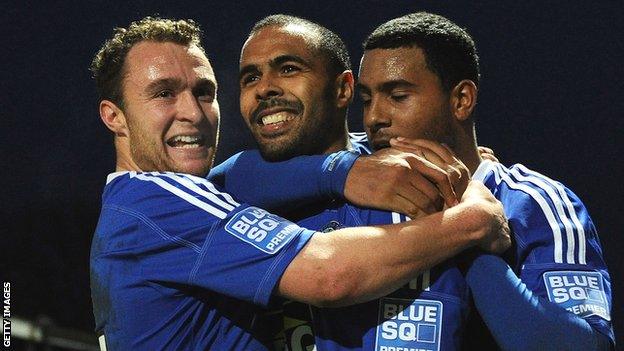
(464, 99)
(344, 88)
(113, 117)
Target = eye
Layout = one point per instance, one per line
(248, 79)
(288, 69)
(399, 97)
(205, 94)
(164, 94)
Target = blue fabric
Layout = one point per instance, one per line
(178, 264)
(273, 185)
(553, 235)
(537, 323)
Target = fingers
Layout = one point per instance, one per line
(439, 154)
(438, 176)
(487, 153)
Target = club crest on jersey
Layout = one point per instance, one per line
(331, 226)
(261, 229)
(581, 293)
(409, 325)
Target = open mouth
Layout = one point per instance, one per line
(275, 118)
(187, 141)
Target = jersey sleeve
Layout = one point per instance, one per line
(295, 182)
(558, 254)
(191, 234)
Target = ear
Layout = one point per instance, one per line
(344, 89)
(113, 117)
(463, 99)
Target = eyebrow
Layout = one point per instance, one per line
(205, 83)
(171, 83)
(176, 84)
(275, 62)
(387, 86)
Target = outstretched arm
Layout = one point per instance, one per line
(354, 265)
(389, 179)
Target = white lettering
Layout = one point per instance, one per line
(268, 224)
(555, 281)
(241, 227)
(256, 234)
(389, 330)
(577, 293)
(560, 294)
(407, 332)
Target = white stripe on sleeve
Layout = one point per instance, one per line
(182, 194)
(568, 203)
(555, 199)
(548, 213)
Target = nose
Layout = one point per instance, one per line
(267, 88)
(376, 116)
(188, 108)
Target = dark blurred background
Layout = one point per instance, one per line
(551, 98)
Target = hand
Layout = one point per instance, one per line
(486, 213)
(441, 156)
(399, 181)
(487, 153)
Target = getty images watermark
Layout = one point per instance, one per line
(6, 314)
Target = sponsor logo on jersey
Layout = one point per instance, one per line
(409, 325)
(581, 293)
(261, 229)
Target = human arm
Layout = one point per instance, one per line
(354, 265)
(562, 285)
(522, 320)
(193, 234)
(389, 179)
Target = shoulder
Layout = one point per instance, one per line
(542, 212)
(158, 193)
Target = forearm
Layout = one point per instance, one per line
(519, 319)
(273, 185)
(354, 265)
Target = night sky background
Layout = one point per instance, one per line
(551, 98)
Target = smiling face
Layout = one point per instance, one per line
(171, 115)
(287, 96)
(402, 97)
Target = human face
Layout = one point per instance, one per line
(286, 94)
(402, 97)
(171, 108)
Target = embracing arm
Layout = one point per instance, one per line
(526, 321)
(354, 265)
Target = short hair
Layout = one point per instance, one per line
(449, 50)
(328, 42)
(108, 65)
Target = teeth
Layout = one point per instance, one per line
(277, 118)
(185, 141)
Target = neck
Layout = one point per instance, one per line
(340, 142)
(124, 160)
(466, 149)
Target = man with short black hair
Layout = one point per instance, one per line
(419, 78)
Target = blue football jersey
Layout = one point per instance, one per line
(177, 264)
(557, 252)
(426, 314)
